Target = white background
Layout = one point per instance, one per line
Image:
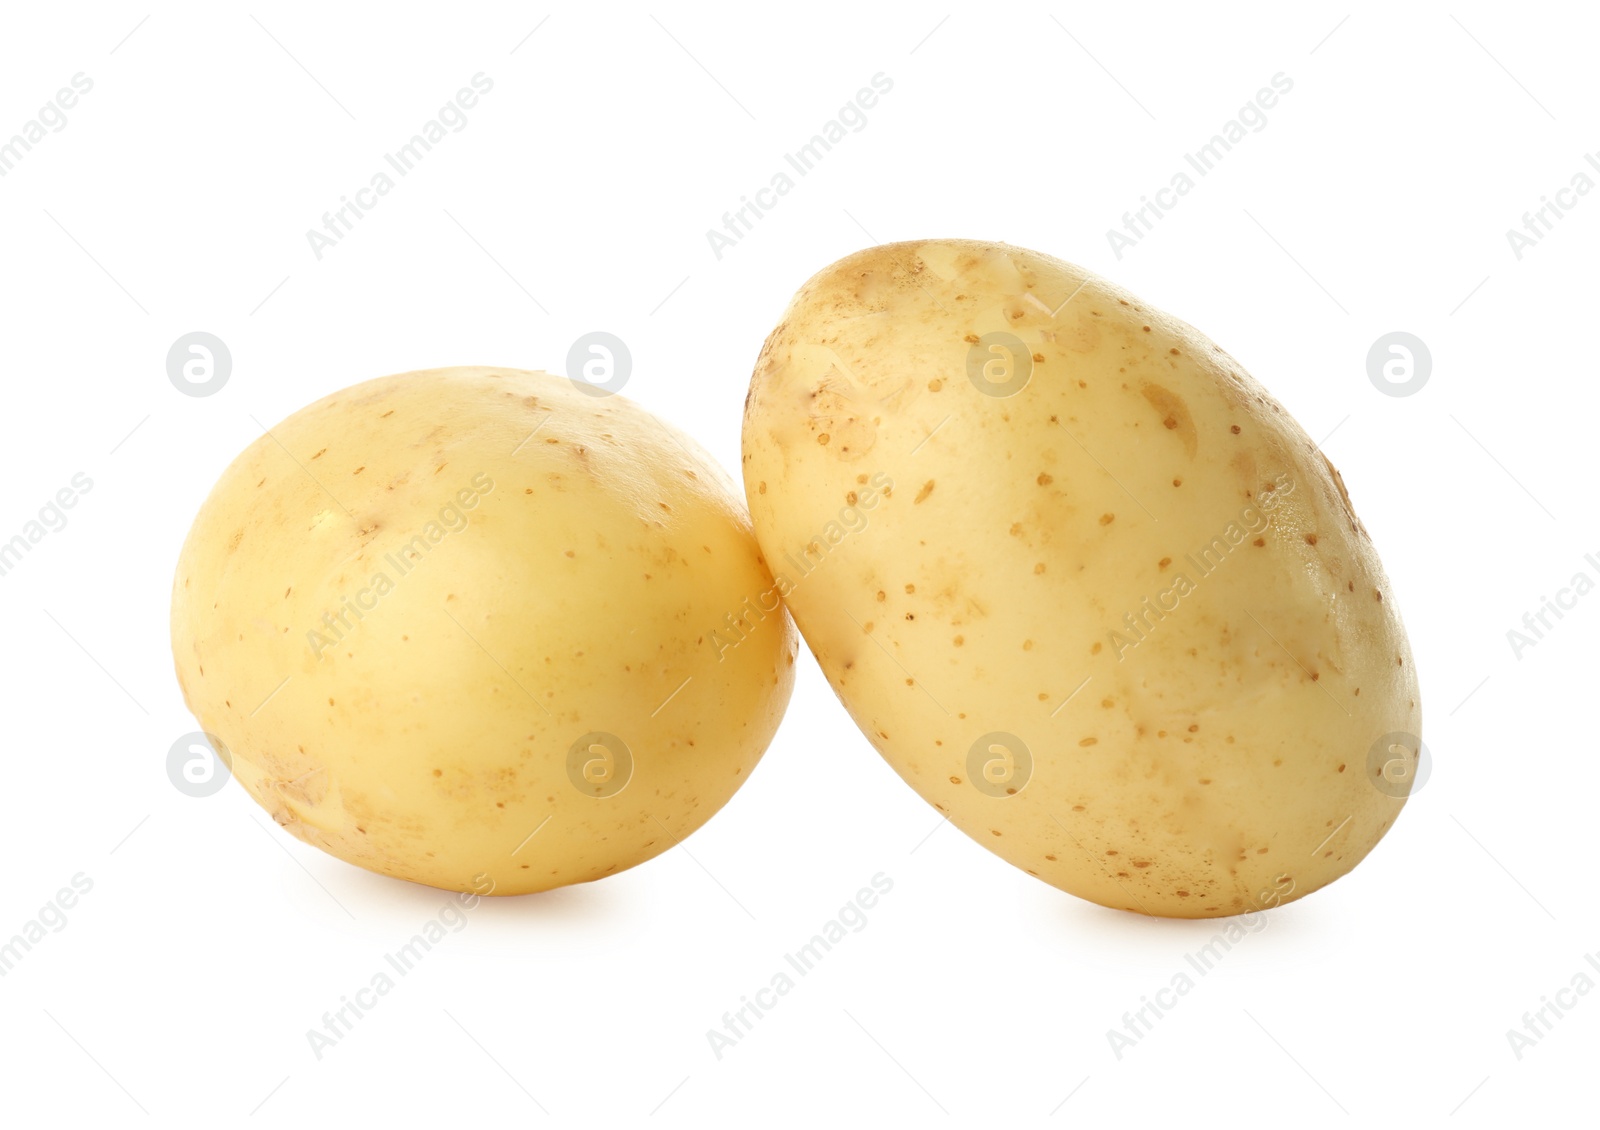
(577, 198)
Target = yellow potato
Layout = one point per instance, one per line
(1079, 579)
(455, 626)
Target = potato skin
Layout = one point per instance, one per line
(1194, 753)
(542, 585)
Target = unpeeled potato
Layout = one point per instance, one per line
(1079, 579)
(456, 626)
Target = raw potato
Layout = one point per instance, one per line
(513, 572)
(1010, 588)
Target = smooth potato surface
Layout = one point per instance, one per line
(1080, 579)
(435, 616)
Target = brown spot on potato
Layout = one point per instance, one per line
(1174, 413)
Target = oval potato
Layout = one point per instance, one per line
(454, 626)
(1081, 581)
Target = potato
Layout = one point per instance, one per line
(1083, 584)
(455, 626)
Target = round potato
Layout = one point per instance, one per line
(456, 626)
(1080, 579)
